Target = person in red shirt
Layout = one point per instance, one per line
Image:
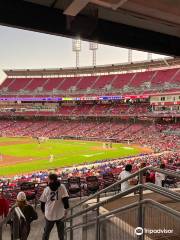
(4, 206)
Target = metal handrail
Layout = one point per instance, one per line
(124, 208)
(151, 202)
(157, 189)
(104, 217)
(164, 191)
(166, 172)
(119, 195)
(140, 188)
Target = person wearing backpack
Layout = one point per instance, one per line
(29, 215)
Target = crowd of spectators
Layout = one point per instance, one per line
(153, 135)
(85, 179)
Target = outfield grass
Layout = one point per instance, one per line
(66, 153)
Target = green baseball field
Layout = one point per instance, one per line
(23, 155)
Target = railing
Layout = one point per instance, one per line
(87, 216)
(122, 223)
(15, 217)
(117, 184)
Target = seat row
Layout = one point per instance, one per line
(117, 81)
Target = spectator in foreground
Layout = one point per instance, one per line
(29, 213)
(54, 204)
(152, 177)
(160, 177)
(4, 206)
(146, 174)
(124, 174)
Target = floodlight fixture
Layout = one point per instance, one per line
(76, 47)
(93, 46)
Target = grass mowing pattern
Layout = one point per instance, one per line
(66, 153)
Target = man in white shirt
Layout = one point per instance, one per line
(160, 177)
(54, 204)
(124, 174)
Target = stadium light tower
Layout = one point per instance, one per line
(93, 47)
(129, 55)
(76, 47)
(149, 56)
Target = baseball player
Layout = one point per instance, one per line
(51, 158)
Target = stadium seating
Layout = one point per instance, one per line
(141, 78)
(86, 82)
(66, 110)
(77, 85)
(82, 110)
(68, 83)
(93, 109)
(53, 83)
(6, 83)
(35, 83)
(121, 80)
(108, 179)
(18, 84)
(99, 109)
(163, 76)
(102, 81)
(92, 184)
(74, 186)
(176, 78)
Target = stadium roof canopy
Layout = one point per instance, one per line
(152, 26)
(97, 70)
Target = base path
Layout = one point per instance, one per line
(6, 160)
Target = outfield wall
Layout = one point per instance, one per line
(92, 139)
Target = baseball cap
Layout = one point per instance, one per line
(21, 196)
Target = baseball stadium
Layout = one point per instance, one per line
(87, 124)
(41, 130)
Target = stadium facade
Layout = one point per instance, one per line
(143, 89)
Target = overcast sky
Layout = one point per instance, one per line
(26, 49)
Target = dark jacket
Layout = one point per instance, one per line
(20, 228)
(29, 213)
